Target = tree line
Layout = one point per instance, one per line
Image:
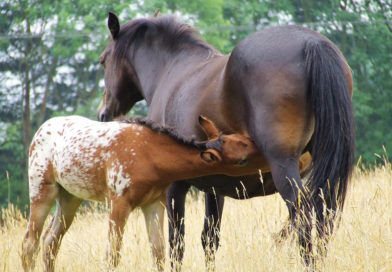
(49, 61)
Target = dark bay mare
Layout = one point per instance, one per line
(287, 87)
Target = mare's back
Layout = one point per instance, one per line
(269, 65)
(275, 45)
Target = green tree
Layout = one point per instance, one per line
(49, 52)
(362, 30)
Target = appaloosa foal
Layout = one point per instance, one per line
(130, 164)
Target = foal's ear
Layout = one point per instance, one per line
(210, 155)
(113, 24)
(157, 12)
(209, 127)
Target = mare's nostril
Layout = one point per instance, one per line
(104, 116)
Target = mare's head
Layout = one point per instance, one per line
(230, 149)
(122, 87)
(137, 53)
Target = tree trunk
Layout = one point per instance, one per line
(48, 83)
(26, 112)
(26, 107)
(26, 127)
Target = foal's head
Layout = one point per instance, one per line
(231, 149)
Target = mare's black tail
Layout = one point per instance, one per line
(333, 141)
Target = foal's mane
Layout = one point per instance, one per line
(169, 131)
(172, 34)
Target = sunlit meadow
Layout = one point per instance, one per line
(363, 241)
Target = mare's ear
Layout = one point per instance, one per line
(210, 155)
(157, 12)
(209, 127)
(113, 24)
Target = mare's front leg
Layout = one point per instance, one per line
(119, 212)
(153, 215)
(175, 204)
(212, 221)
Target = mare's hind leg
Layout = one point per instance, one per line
(39, 208)
(304, 169)
(67, 205)
(153, 214)
(210, 235)
(119, 212)
(288, 182)
(282, 145)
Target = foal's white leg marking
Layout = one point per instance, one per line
(153, 215)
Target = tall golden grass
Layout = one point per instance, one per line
(363, 242)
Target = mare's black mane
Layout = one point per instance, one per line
(166, 30)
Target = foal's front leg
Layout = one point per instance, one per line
(119, 212)
(153, 215)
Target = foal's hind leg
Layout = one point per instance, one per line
(153, 214)
(67, 205)
(39, 209)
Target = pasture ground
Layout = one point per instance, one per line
(363, 241)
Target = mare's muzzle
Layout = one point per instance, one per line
(104, 116)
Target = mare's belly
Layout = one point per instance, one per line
(236, 187)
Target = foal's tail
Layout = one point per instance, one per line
(333, 142)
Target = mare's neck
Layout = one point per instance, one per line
(153, 64)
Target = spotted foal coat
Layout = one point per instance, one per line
(129, 164)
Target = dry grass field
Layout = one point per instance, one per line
(363, 241)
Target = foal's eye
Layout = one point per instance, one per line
(242, 162)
